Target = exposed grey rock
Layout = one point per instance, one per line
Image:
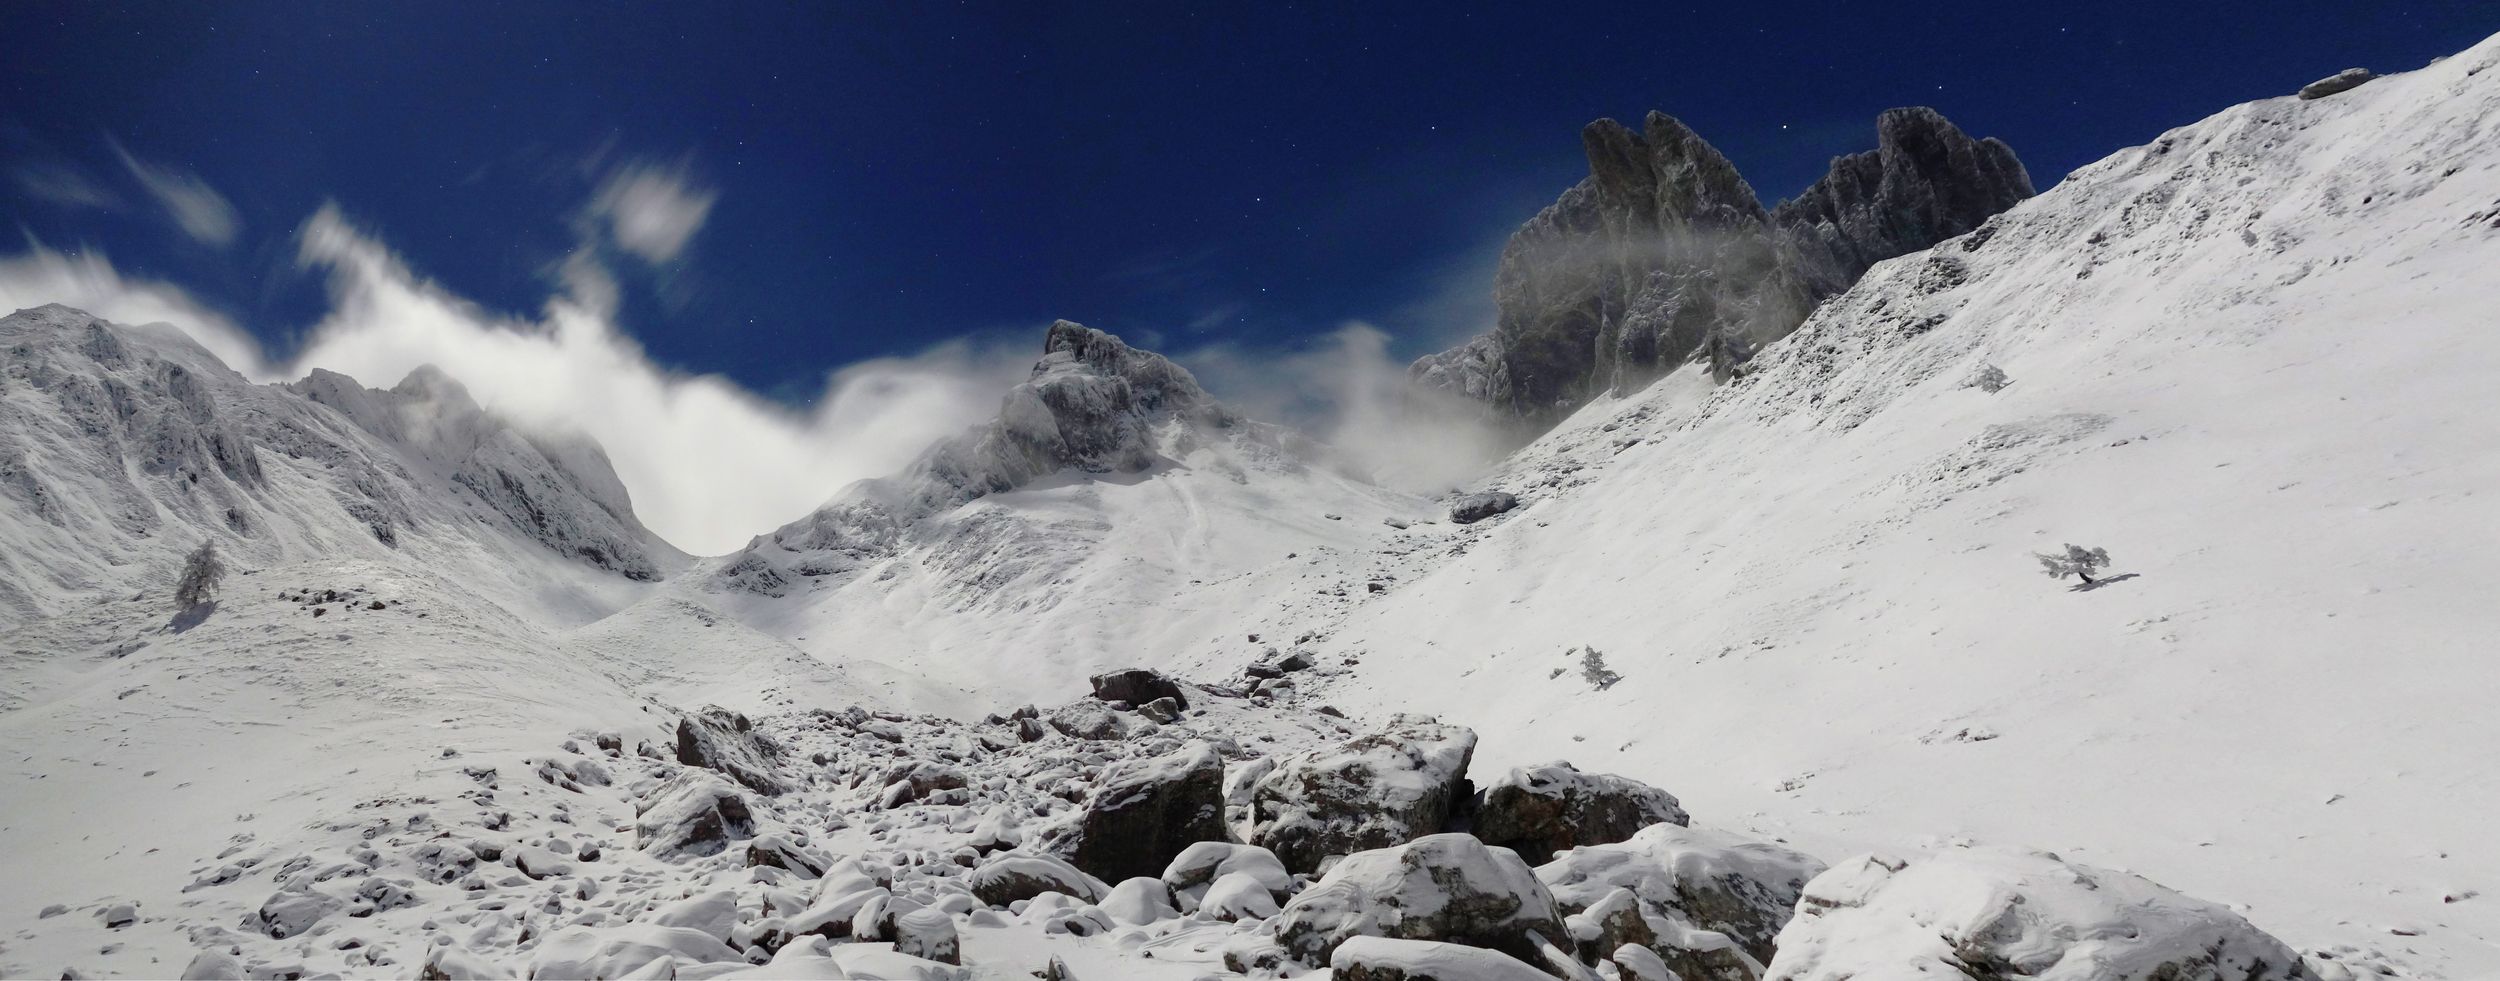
(1539, 810)
(1003, 879)
(1373, 791)
(1447, 887)
(719, 739)
(1664, 251)
(1472, 508)
(1137, 686)
(1090, 720)
(290, 912)
(1163, 710)
(1144, 813)
(928, 934)
(2340, 82)
(691, 814)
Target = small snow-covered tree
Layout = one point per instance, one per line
(1593, 667)
(1990, 379)
(2077, 561)
(201, 573)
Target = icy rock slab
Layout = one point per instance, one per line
(2002, 914)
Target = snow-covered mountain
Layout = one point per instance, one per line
(121, 448)
(449, 716)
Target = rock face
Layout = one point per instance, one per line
(1664, 251)
(2340, 82)
(1471, 508)
(1448, 888)
(1145, 813)
(1372, 791)
(1998, 914)
(1691, 879)
(719, 739)
(1539, 810)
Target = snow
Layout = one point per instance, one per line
(2250, 358)
(1420, 959)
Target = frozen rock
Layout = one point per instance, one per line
(1691, 879)
(929, 935)
(1145, 812)
(1090, 720)
(714, 912)
(215, 964)
(1472, 508)
(1539, 810)
(778, 852)
(1139, 901)
(1445, 887)
(2001, 914)
(718, 739)
(894, 965)
(290, 912)
(1372, 791)
(1003, 879)
(452, 962)
(692, 814)
(1238, 896)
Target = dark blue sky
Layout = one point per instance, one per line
(893, 174)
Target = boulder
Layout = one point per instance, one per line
(725, 741)
(1373, 791)
(1138, 686)
(1090, 720)
(1196, 869)
(1384, 959)
(213, 965)
(616, 952)
(1145, 812)
(1471, 508)
(778, 852)
(1690, 880)
(2003, 914)
(1445, 887)
(1005, 878)
(1619, 923)
(910, 782)
(290, 912)
(1539, 810)
(928, 934)
(2340, 82)
(1138, 901)
(1236, 896)
(452, 962)
(692, 814)
(1163, 710)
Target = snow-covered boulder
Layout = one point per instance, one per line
(1445, 887)
(1093, 720)
(1195, 870)
(1010, 877)
(928, 934)
(1619, 923)
(2001, 914)
(1471, 508)
(1539, 810)
(692, 814)
(1691, 879)
(1384, 959)
(719, 739)
(1138, 901)
(1236, 896)
(1143, 813)
(290, 912)
(1372, 791)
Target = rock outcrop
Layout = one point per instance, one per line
(1664, 251)
(1539, 810)
(1372, 791)
(725, 741)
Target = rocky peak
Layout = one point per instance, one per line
(1665, 251)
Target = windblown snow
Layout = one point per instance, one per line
(455, 713)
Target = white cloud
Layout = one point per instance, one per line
(64, 186)
(1347, 390)
(651, 211)
(203, 213)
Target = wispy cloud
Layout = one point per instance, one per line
(64, 186)
(1346, 388)
(651, 211)
(203, 214)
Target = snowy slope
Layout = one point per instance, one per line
(2252, 359)
(1111, 515)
